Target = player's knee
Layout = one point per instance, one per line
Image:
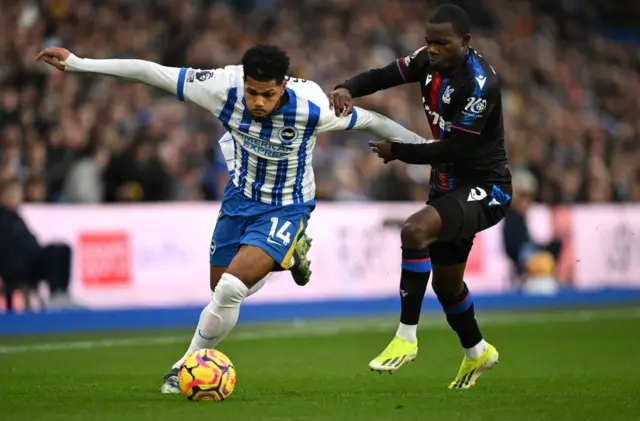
(445, 287)
(230, 290)
(441, 289)
(415, 235)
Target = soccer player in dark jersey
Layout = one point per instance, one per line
(470, 181)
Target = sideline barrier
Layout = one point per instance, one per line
(187, 317)
(156, 257)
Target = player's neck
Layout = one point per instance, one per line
(283, 100)
(455, 67)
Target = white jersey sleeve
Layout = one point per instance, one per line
(226, 146)
(360, 119)
(128, 69)
(208, 88)
(369, 122)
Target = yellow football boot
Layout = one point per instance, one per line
(395, 355)
(472, 368)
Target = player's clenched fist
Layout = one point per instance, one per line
(53, 56)
(383, 149)
(340, 101)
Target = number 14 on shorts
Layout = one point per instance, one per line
(279, 234)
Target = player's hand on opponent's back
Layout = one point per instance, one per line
(53, 56)
(340, 101)
(383, 149)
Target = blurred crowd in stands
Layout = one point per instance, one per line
(570, 71)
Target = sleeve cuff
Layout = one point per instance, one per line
(71, 63)
(396, 150)
(180, 87)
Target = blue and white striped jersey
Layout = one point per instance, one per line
(272, 158)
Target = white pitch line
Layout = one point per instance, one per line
(328, 328)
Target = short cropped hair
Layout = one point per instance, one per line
(455, 15)
(265, 62)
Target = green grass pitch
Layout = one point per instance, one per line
(558, 365)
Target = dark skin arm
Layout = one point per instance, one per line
(460, 141)
(363, 84)
(452, 149)
(383, 149)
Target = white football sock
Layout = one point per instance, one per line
(219, 317)
(407, 332)
(199, 341)
(257, 286)
(476, 351)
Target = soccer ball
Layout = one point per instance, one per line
(207, 375)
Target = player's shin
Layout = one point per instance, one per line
(416, 269)
(460, 313)
(201, 338)
(220, 316)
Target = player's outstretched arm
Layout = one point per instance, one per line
(370, 122)
(455, 147)
(363, 84)
(463, 136)
(135, 70)
(207, 88)
(384, 128)
(448, 150)
(408, 69)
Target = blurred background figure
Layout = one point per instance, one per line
(533, 263)
(139, 174)
(85, 181)
(24, 262)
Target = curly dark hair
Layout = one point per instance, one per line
(265, 62)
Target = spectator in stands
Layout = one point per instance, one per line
(569, 72)
(138, 175)
(85, 181)
(35, 190)
(523, 252)
(23, 261)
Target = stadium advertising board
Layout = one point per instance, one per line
(607, 246)
(157, 255)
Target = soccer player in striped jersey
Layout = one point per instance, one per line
(274, 122)
(300, 266)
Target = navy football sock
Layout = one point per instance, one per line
(416, 269)
(460, 314)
